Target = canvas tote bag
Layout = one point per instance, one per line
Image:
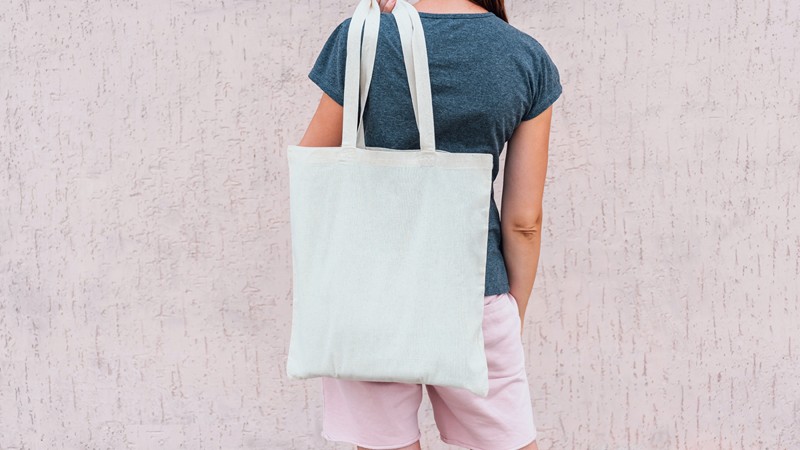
(388, 245)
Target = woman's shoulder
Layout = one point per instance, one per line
(514, 40)
(526, 41)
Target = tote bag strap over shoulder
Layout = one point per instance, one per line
(366, 17)
(408, 20)
(359, 67)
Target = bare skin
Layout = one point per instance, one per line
(523, 180)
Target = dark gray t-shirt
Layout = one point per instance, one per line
(486, 77)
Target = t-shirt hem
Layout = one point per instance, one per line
(327, 86)
(549, 100)
(497, 287)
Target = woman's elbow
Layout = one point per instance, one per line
(528, 225)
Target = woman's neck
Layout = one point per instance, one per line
(448, 6)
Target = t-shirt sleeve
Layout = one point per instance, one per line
(545, 82)
(328, 70)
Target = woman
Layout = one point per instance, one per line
(491, 84)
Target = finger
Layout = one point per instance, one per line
(390, 5)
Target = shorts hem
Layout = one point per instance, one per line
(360, 443)
(447, 440)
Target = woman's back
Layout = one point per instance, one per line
(486, 78)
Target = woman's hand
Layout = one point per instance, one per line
(387, 5)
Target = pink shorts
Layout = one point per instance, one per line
(383, 415)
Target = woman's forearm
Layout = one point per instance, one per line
(521, 245)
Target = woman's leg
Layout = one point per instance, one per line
(531, 446)
(414, 446)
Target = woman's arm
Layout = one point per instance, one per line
(521, 207)
(325, 129)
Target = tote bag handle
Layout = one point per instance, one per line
(415, 56)
(405, 16)
(366, 17)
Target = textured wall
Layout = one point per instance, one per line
(144, 243)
